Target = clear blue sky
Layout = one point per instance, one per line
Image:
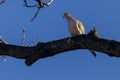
(49, 25)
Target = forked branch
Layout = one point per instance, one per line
(39, 5)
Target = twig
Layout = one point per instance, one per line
(39, 6)
(3, 41)
(35, 14)
(50, 1)
(34, 42)
(23, 36)
(26, 4)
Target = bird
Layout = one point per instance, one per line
(76, 27)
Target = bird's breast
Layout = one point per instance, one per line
(73, 30)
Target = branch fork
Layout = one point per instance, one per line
(40, 5)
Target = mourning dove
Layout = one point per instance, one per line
(76, 27)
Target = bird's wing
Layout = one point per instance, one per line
(80, 27)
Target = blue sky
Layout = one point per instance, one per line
(49, 25)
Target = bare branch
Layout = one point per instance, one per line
(39, 6)
(43, 50)
(34, 42)
(23, 36)
(26, 4)
(4, 42)
(50, 1)
(35, 14)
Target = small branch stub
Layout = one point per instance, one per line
(93, 33)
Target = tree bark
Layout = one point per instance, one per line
(89, 41)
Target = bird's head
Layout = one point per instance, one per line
(66, 15)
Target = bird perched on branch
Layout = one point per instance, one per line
(76, 27)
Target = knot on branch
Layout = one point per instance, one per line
(93, 33)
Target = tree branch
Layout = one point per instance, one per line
(48, 49)
(40, 5)
(50, 1)
(4, 42)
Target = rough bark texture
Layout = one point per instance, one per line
(47, 49)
